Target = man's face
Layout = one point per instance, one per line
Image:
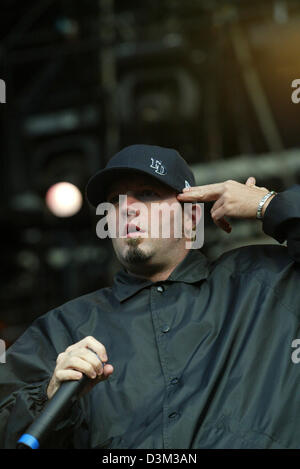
(138, 246)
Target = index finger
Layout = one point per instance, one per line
(209, 191)
(96, 356)
(96, 346)
(207, 187)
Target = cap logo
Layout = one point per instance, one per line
(186, 184)
(158, 166)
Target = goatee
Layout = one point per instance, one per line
(134, 254)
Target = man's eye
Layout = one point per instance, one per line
(114, 200)
(148, 193)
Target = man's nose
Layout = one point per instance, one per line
(127, 205)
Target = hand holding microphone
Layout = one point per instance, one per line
(77, 370)
(83, 357)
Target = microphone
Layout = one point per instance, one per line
(53, 411)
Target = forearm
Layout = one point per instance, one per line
(281, 219)
(24, 380)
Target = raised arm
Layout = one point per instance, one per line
(281, 212)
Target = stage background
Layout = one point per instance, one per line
(212, 79)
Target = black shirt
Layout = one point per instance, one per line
(201, 360)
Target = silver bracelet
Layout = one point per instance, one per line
(261, 204)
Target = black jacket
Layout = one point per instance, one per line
(201, 360)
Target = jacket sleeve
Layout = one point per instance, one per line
(24, 378)
(282, 220)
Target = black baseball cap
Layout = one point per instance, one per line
(164, 164)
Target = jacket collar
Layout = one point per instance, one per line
(193, 268)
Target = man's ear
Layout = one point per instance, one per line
(196, 215)
(194, 233)
(192, 216)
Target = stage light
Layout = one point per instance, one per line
(64, 199)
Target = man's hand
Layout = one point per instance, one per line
(79, 358)
(233, 199)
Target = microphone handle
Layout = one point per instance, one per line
(52, 412)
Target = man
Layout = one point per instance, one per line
(181, 352)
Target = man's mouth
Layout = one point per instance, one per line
(133, 231)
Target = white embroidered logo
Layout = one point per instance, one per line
(158, 166)
(186, 184)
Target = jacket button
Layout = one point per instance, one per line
(165, 328)
(160, 289)
(173, 415)
(174, 381)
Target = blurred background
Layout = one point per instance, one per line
(211, 78)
